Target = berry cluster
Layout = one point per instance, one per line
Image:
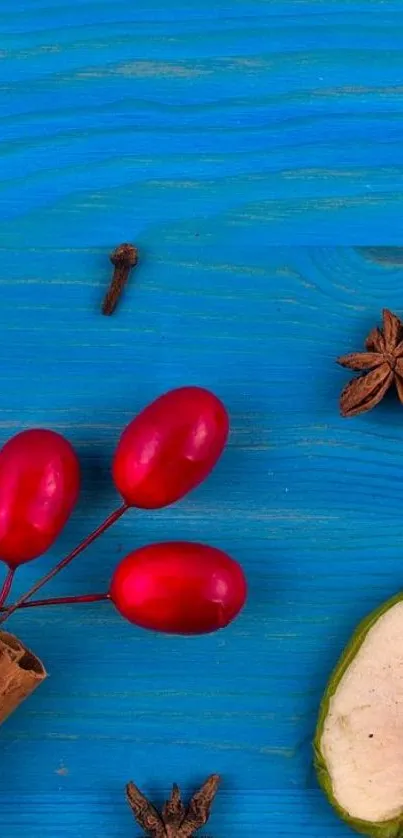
(165, 452)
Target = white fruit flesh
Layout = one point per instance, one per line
(362, 738)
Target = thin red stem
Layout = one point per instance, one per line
(64, 600)
(64, 562)
(6, 587)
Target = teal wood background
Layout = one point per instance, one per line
(249, 122)
(308, 502)
(253, 151)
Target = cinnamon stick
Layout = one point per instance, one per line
(21, 672)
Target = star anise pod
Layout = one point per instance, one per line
(381, 366)
(175, 820)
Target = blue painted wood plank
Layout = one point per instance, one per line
(207, 133)
(249, 122)
(96, 813)
(309, 503)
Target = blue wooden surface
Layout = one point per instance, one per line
(206, 133)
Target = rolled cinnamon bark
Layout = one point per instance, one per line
(21, 672)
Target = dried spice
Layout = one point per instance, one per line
(21, 672)
(124, 258)
(381, 366)
(175, 820)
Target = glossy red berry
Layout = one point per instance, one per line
(179, 588)
(170, 447)
(39, 486)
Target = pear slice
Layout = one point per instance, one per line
(359, 737)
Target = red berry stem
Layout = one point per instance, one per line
(66, 561)
(64, 600)
(6, 587)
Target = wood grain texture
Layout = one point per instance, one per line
(205, 133)
(308, 502)
(244, 122)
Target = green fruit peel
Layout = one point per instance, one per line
(359, 737)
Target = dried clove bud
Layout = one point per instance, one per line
(124, 258)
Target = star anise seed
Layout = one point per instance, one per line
(175, 819)
(381, 366)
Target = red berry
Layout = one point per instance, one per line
(170, 447)
(179, 588)
(39, 486)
